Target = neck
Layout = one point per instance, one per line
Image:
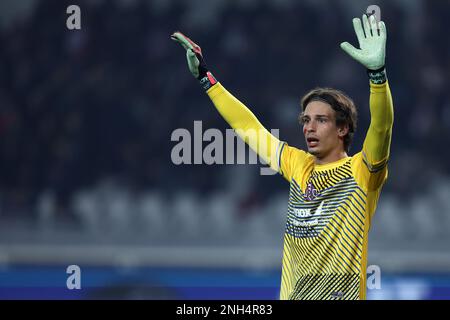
(332, 157)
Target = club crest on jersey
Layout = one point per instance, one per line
(311, 192)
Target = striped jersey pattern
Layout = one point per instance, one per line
(325, 240)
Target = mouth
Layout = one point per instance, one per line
(312, 142)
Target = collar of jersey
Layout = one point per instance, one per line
(331, 165)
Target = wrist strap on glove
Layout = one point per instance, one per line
(377, 76)
(207, 80)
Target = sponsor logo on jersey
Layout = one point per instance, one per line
(307, 213)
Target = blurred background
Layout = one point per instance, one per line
(86, 118)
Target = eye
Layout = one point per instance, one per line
(322, 120)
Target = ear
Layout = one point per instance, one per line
(343, 130)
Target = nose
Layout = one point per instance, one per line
(309, 127)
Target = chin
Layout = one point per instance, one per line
(314, 151)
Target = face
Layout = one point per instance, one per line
(322, 136)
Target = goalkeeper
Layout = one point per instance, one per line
(333, 196)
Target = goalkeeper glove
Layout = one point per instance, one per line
(195, 60)
(372, 41)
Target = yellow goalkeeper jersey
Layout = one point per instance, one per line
(330, 206)
(328, 219)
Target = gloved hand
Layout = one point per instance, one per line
(372, 42)
(195, 60)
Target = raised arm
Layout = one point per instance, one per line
(237, 115)
(372, 40)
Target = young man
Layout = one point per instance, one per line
(333, 196)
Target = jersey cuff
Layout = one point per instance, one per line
(215, 90)
(378, 88)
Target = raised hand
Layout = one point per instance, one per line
(372, 42)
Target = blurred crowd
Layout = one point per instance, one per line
(81, 107)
